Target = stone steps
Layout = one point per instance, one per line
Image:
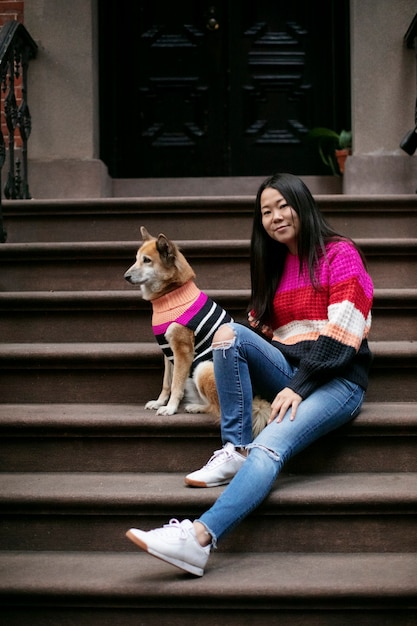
(81, 459)
(218, 264)
(315, 513)
(131, 372)
(127, 438)
(342, 548)
(115, 316)
(328, 589)
(193, 218)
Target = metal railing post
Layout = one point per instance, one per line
(16, 49)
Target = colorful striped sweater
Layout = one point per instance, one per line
(324, 332)
(192, 308)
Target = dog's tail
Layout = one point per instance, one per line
(200, 391)
(203, 389)
(261, 410)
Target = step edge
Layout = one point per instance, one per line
(134, 420)
(389, 493)
(275, 579)
(401, 298)
(148, 350)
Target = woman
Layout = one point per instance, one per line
(311, 299)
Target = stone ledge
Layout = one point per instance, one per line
(380, 174)
(68, 178)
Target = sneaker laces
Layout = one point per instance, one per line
(215, 458)
(174, 528)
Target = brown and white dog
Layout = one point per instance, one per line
(184, 320)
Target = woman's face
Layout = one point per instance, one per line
(281, 222)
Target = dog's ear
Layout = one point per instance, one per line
(166, 249)
(145, 235)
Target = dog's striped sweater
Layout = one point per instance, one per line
(192, 308)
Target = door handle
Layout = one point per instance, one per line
(212, 23)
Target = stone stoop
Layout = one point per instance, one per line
(339, 589)
(81, 460)
(218, 264)
(193, 218)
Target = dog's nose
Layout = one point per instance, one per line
(128, 276)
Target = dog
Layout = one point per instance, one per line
(184, 320)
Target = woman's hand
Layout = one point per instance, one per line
(284, 400)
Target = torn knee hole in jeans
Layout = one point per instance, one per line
(224, 344)
(271, 453)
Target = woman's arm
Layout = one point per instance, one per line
(350, 293)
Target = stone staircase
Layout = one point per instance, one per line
(82, 461)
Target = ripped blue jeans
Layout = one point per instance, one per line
(249, 365)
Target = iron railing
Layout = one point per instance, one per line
(16, 49)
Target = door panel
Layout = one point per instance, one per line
(180, 90)
(201, 89)
(278, 86)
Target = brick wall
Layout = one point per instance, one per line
(11, 10)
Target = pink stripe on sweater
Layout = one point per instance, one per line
(185, 318)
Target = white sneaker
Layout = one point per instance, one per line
(219, 470)
(175, 543)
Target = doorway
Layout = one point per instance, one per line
(227, 88)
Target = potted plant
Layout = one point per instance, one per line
(333, 147)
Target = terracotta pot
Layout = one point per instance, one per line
(341, 156)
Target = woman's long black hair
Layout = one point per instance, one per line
(267, 257)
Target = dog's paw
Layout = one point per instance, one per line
(167, 410)
(195, 408)
(152, 404)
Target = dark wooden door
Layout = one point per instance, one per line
(194, 88)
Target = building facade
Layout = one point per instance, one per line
(63, 95)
